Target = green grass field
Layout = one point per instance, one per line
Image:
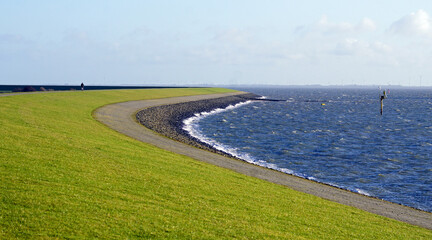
(65, 175)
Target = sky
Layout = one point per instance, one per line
(216, 42)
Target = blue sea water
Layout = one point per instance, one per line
(344, 142)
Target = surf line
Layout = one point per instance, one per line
(190, 125)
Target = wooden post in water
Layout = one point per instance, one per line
(382, 105)
(382, 97)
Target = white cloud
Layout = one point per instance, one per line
(327, 27)
(416, 23)
(348, 46)
(366, 25)
(381, 47)
(352, 46)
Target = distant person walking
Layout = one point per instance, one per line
(82, 86)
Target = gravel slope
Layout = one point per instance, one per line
(168, 119)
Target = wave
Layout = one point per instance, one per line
(191, 126)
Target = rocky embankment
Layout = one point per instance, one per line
(168, 119)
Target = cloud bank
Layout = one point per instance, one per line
(417, 23)
(327, 27)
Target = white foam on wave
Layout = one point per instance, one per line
(191, 125)
(356, 190)
(363, 192)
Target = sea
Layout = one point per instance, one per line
(335, 136)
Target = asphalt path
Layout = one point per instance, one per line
(122, 118)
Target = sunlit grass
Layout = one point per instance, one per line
(65, 175)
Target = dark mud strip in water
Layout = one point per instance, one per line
(168, 119)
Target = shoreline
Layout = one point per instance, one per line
(167, 120)
(122, 118)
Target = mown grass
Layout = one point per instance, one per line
(65, 175)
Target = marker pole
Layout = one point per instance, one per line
(382, 106)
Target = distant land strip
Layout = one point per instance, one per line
(122, 118)
(34, 88)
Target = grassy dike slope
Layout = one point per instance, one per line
(65, 175)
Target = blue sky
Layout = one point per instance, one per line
(216, 42)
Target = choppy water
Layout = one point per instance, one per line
(345, 143)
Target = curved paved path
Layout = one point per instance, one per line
(121, 117)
